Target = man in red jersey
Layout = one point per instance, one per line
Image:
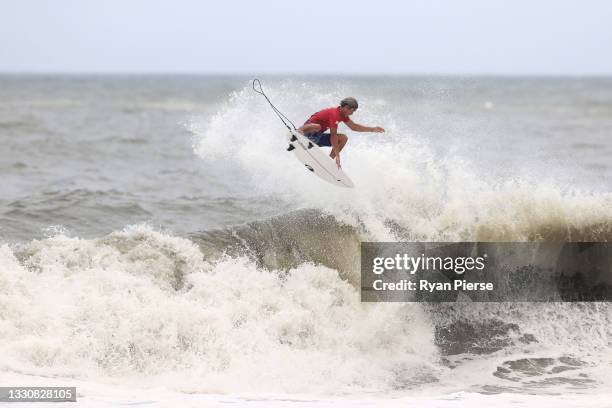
(328, 119)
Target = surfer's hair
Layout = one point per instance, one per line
(350, 102)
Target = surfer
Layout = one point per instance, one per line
(328, 118)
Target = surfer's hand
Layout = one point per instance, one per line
(338, 161)
(378, 129)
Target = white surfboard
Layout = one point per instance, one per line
(317, 161)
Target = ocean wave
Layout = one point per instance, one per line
(228, 308)
(404, 190)
(273, 305)
(143, 304)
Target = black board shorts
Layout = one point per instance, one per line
(320, 138)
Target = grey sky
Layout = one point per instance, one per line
(374, 36)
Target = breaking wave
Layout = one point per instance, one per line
(273, 305)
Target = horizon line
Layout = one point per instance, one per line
(314, 74)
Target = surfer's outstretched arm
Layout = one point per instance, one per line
(361, 128)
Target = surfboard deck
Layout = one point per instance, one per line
(317, 161)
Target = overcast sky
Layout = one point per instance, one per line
(316, 36)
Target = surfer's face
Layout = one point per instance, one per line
(347, 110)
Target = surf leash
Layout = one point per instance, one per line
(280, 114)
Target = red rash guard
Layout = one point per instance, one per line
(328, 118)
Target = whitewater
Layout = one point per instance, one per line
(160, 247)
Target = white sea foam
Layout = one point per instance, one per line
(142, 306)
(398, 178)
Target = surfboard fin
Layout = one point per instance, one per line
(293, 138)
(310, 145)
(290, 148)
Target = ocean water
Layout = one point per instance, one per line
(158, 245)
